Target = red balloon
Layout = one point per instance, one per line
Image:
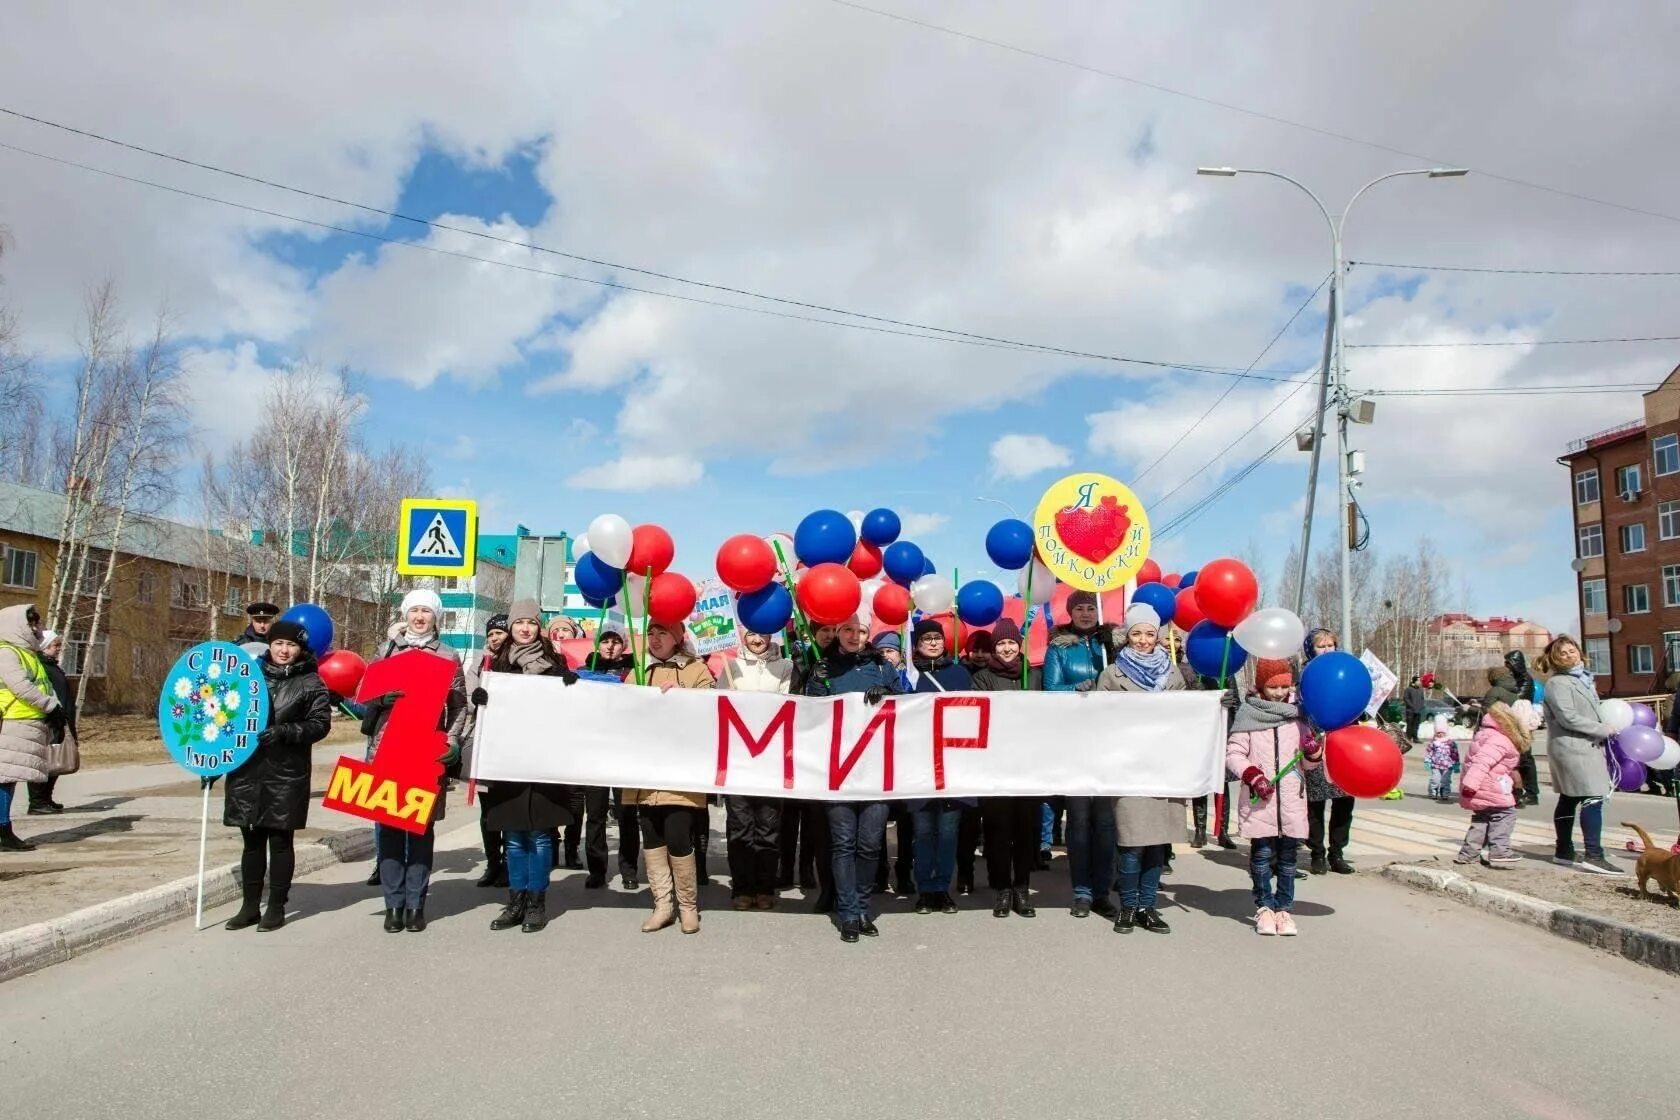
(651, 549)
(829, 594)
(1363, 761)
(1187, 612)
(341, 671)
(745, 563)
(1227, 592)
(866, 561)
(1149, 573)
(671, 598)
(892, 604)
(1172, 580)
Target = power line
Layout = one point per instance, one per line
(961, 338)
(1245, 110)
(1511, 271)
(1508, 342)
(1195, 511)
(1234, 443)
(1516, 391)
(1231, 388)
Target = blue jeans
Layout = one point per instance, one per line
(1440, 783)
(1090, 836)
(1592, 826)
(936, 845)
(405, 866)
(857, 832)
(1260, 854)
(1047, 829)
(1140, 875)
(7, 789)
(530, 858)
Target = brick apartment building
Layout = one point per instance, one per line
(1466, 647)
(1625, 494)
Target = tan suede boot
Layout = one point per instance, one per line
(659, 882)
(687, 878)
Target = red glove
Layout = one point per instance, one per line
(1257, 782)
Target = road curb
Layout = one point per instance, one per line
(1640, 945)
(32, 947)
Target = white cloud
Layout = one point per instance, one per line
(224, 391)
(922, 524)
(640, 472)
(464, 447)
(1022, 456)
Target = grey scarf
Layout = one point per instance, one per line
(1260, 714)
(531, 659)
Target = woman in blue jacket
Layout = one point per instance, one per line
(1079, 651)
(935, 821)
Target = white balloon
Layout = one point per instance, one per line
(1618, 715)
(580, 544)
(1273, 632)
(856, 518)
(635, 587)
(610, 539)
(1043, 582)
(933, 594)
(1669, 758)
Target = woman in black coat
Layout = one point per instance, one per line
(41, 793)
(267, 799)
(527, 814)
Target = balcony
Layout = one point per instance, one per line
(1608, 435)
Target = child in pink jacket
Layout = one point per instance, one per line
(1266, 734)
(1487, 789)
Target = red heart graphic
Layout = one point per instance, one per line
(1095, 534)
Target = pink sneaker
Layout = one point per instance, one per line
(1286, 924)
(1265, 922)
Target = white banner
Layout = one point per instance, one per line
(1383, 681)
(971, 744)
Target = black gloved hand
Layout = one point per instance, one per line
(875, 695)
(480, 697)
(569, 678)
(265, 737)
(208, 783)
(1230, 701)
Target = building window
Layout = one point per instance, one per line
(1671, 585)
(1633, 537)
(1589, 541)
(1595, 600)
(1668, 520)
(81, 659)
(1628, 480)
(19, 568)
(1636, 599)
(145, 586)
(235, 600)
(187, 592)
(1639, 660)
(1596, 651)
(1671, 649)
(1586, 486)
(1666, 451)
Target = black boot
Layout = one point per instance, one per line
(925, 904)
(536, 912)
(373, 880)
(274, 914)
(573, 863)
(12, 842)
(492, 871)
(849, 932)
(1002, 904)
(1227, 843)
(1339, 865)
(1199, 814)
(1319, 866)
(947, 904)
(824, 904)
(1151, 920)
(1022, 906)
(393, 920)
(249, 914)
(416, 920)
(1105, 908)
(512, 914)
(1126, 920)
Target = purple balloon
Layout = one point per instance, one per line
(1641, 744)
(1632, 778)
(1644, 716)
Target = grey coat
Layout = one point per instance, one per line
(1140, 822)
(23, 742)
(1575, 738)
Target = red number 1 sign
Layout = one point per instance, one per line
(399, 788)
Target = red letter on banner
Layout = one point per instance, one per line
(400, 787)
(942, 741)
(729, 719)
(883, 719)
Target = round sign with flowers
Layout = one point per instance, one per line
(213, 706)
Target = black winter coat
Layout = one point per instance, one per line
(527, 806)
(993, 680)
(66, 696)
(272, 789)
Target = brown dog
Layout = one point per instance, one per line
(1659, 864)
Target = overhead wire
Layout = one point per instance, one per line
(1513, 271)
(1189, 515)
(1506, 342)
(1287, 397)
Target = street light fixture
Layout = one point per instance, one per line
(1332, 350)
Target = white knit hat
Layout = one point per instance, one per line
(1141, 614)
(421, 597)
(48, 637)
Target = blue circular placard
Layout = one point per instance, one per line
(213, 705)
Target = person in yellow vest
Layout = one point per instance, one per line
(29, 713)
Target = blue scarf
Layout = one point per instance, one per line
(1148, 669)
(1585, 675)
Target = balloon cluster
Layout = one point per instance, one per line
(633, 563)
(1635, 744)
(339, 669)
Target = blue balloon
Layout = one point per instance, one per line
(1159, 596)
(596, 578)
(927, 568)
(1010, 544)
(903, 562)
(1188, 579)
(599, 603)
(881, 527)
(1204, 648)
(824, 537)
(979, 603)
(317, 626)
(1335, 688)
(766, 610)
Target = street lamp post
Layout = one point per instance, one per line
(1329, 376)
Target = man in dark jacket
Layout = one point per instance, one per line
(262, 616)
(41, 801)
(1415, 700)
(1505, 688)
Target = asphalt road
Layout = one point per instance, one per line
(1390, 1004)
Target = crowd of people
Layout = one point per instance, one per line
(1117, 848)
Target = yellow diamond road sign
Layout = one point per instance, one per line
(437, 537)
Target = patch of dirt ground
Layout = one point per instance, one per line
(1614, 897)
(127, 739)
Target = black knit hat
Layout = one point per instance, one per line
(287, 631)
(497, 622)
(925, 627)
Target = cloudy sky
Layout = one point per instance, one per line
(1025, 174)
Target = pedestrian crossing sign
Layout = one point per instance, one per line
(437, 537)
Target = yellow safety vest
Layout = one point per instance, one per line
(13, 706)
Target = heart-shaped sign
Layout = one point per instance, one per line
(1095, 534)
